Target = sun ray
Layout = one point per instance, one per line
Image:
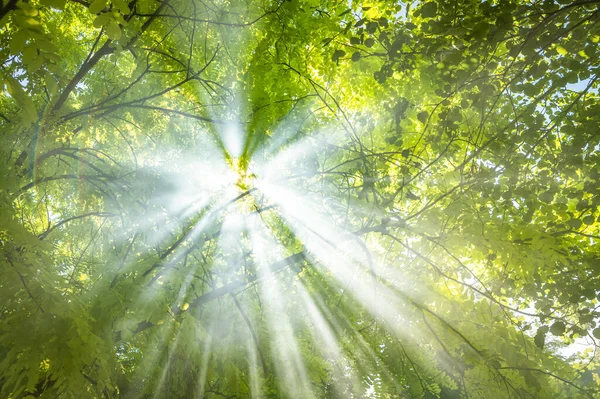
(290, 364)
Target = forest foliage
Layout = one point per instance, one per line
(299, 198)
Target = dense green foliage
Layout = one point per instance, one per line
(412, 211)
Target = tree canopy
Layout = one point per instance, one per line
(299, 198)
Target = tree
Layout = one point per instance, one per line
(299, 199)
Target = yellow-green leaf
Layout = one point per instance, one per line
(113, 31)
(96, 6)
(101, 20)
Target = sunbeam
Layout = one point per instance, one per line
(290, 364)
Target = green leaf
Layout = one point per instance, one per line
(574, 223)
(372, 26)
(540, 339)
(337, 54)
(102, 20)
(356, 56)
(558, 328)
(23, 100)
(596, 333)
(428, 10)
(113, 31)
(143, 6)
(423, 116)
(27, 9)
(96, 6)
(588, 220)
(532, 381)
(122, 6)
(379, 77)
(17, 42)
(547, 196)
(50, 83)
(28, 22)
